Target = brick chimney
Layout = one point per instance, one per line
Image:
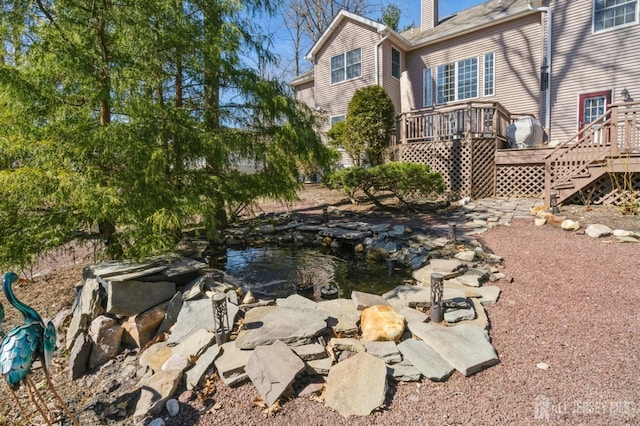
(429, 14)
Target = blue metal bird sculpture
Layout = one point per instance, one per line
(25, 343)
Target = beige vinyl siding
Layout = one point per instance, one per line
(390, 83)
(517, 48)
(585, 62)
(305, 92)
(349, 35)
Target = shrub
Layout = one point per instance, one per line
(404, 180)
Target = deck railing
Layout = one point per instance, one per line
(469, 119)
(615, 133)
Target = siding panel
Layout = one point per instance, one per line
(517, 46)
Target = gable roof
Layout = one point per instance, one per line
(343, 14)
(483, 15)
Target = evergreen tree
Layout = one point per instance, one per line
(137, 116)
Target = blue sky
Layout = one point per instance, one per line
(410, 11)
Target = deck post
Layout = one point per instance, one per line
(613, 132)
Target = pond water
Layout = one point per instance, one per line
(276, 271)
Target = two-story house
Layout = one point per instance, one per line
(458, 82)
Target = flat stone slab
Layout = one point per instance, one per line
(272, 369)
(310, 351)
(449, 268)
(412, 315)
(386, 351)
(466, 347)
(231, 363)
(296, 301)
(293, 326)
(319, 367)
(202, 364)
(425, 359)
(344, 234)
(403, 373)
(413, 296)
(488, 294)
(343, 315)
(457, 315)
(363, 300)
(195, 344)
(357, 386)
(129, 298)
(195, 315)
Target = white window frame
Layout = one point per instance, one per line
(398, 64)
(344, 68)
(455, 80)
(427, 87)
(336, 119)
(492, 69)
(601, 7)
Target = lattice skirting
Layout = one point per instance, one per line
(526, 180)
(618, 189)
(466, 165)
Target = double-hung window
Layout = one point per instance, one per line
(489, 75)
(346, 66)
(609, 14)
(457, 81)
(395, 62)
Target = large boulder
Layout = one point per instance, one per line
(381, 323)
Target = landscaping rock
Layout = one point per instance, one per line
(195, 344)
(106, 335)
(79, 357)
(155, 391)
(598, 231)
(272, 369)
(292, 326)
(412, 315)
(357, 386)
(202, 364)
(155, 356)
(488, 294)
(141, 328)
(466, 347)
(171, 315)
(343, 316)
(403, 373)
(425, 359)
(231, 363)
(175, 362)
(318, 367)
(363, 300)
(381, 323)
(569, 225)
(132, 297)
(173, 407)
(87, 309)
(195, 315)
(310, 351)
(386, 351)
(345, 344)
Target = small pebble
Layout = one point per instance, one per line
(173, 407)
(156, 422)
(542, 366)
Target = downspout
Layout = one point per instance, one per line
(547, 107)
(386, 36)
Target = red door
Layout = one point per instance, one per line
(592, 106)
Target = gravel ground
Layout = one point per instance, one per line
(572, 304)
(568, 301)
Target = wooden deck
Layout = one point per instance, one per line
(466, 142)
